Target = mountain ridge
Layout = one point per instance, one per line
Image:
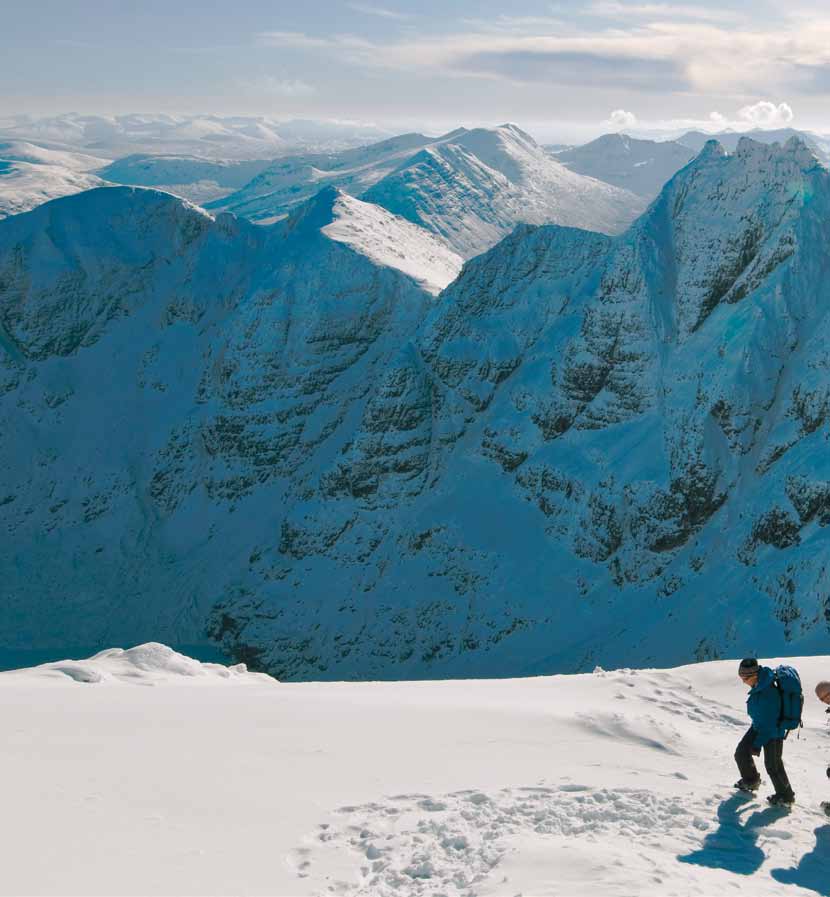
(587, 449)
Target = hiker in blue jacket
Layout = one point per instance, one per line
(766, 732)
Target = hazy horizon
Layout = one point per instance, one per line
(558, 72)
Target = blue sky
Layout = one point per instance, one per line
(554, 65)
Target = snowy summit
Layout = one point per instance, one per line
(219, 781)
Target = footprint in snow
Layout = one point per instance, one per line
(452, 843)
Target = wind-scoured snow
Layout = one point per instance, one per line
(393, 242)
(219, 781)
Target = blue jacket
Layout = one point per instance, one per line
(764, 707)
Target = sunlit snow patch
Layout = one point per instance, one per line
(393, 242)
(148, 664)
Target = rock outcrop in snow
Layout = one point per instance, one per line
(588, 449)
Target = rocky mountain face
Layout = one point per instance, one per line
(167, 381)
(587, 449)
(818, 144)
(641, 166)
(468, 187)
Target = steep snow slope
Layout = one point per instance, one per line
(469, 187)
(217, 781)
(393, 242)
(193, 178)
(474, 190)
(641, 166)
(164, 375)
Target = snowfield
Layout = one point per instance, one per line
(146, 772)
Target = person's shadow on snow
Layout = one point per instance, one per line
(811, 871)
(732, 845)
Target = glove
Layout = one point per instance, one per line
(757, 752)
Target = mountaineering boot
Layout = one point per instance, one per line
(748, 785)
(787, 799)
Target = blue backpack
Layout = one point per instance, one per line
(788, 683)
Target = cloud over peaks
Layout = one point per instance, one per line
(766, 115)
(619, 119)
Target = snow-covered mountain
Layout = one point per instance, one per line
(587, 449)
(162, 370)
(31, 175)
(196, 179)
(469, 187)
(292, 180)
(212, 136)
(818, 144)
(474, 189)
(641, 166)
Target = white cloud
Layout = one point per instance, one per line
(298, 40)
(281, 87)
(656, 55)
(614, 8)
(766, 115)
(620, 119)
(371, 10)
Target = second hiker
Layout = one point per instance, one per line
(768, 731)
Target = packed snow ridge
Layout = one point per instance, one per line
(220, 781)
(150, 664)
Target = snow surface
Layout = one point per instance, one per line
(191, 177)
(31, 175)
(393, 242)
(146, 772)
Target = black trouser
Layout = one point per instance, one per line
(773, 761)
